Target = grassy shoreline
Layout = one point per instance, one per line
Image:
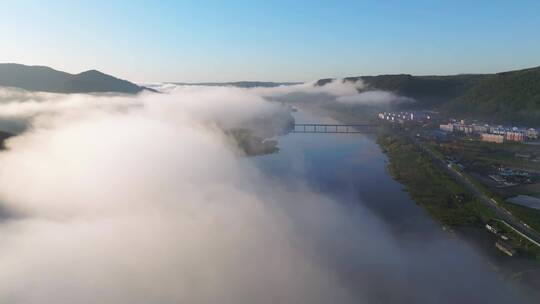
(444, 199)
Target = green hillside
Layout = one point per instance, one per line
(428, 91)
(508, 96)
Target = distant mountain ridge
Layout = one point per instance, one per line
(46, 79)
(507, 96)
(239, 84)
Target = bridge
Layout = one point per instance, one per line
(333, 128)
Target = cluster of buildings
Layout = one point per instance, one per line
(507, 177)
(407, 116)
(486, 132)
(502, 244)
(496, 134)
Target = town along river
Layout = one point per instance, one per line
(410, 259)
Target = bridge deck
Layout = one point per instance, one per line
(332, 128)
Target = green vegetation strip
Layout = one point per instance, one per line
(528, 215)
(445, 199)
(439, 194)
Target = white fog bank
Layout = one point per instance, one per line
(145, 199)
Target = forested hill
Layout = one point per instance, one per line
(428, 91)
(46, 79)
(509, 96)
(504, 96)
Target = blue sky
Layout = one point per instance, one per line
(271, 40)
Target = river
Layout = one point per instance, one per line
(419, 262)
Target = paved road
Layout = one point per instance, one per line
(502, 213)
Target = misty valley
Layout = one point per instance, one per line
(291, 214)
(269, 152)
(212, 179)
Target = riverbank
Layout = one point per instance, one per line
(352, 171)
(458, 210)
(445, 193)
(407, 212)
(442, 196)
(251, 144)
(444, 199)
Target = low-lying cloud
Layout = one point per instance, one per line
(146, 200)
(336, 91)
(373, 98)
(118, 199)
(336, 87)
